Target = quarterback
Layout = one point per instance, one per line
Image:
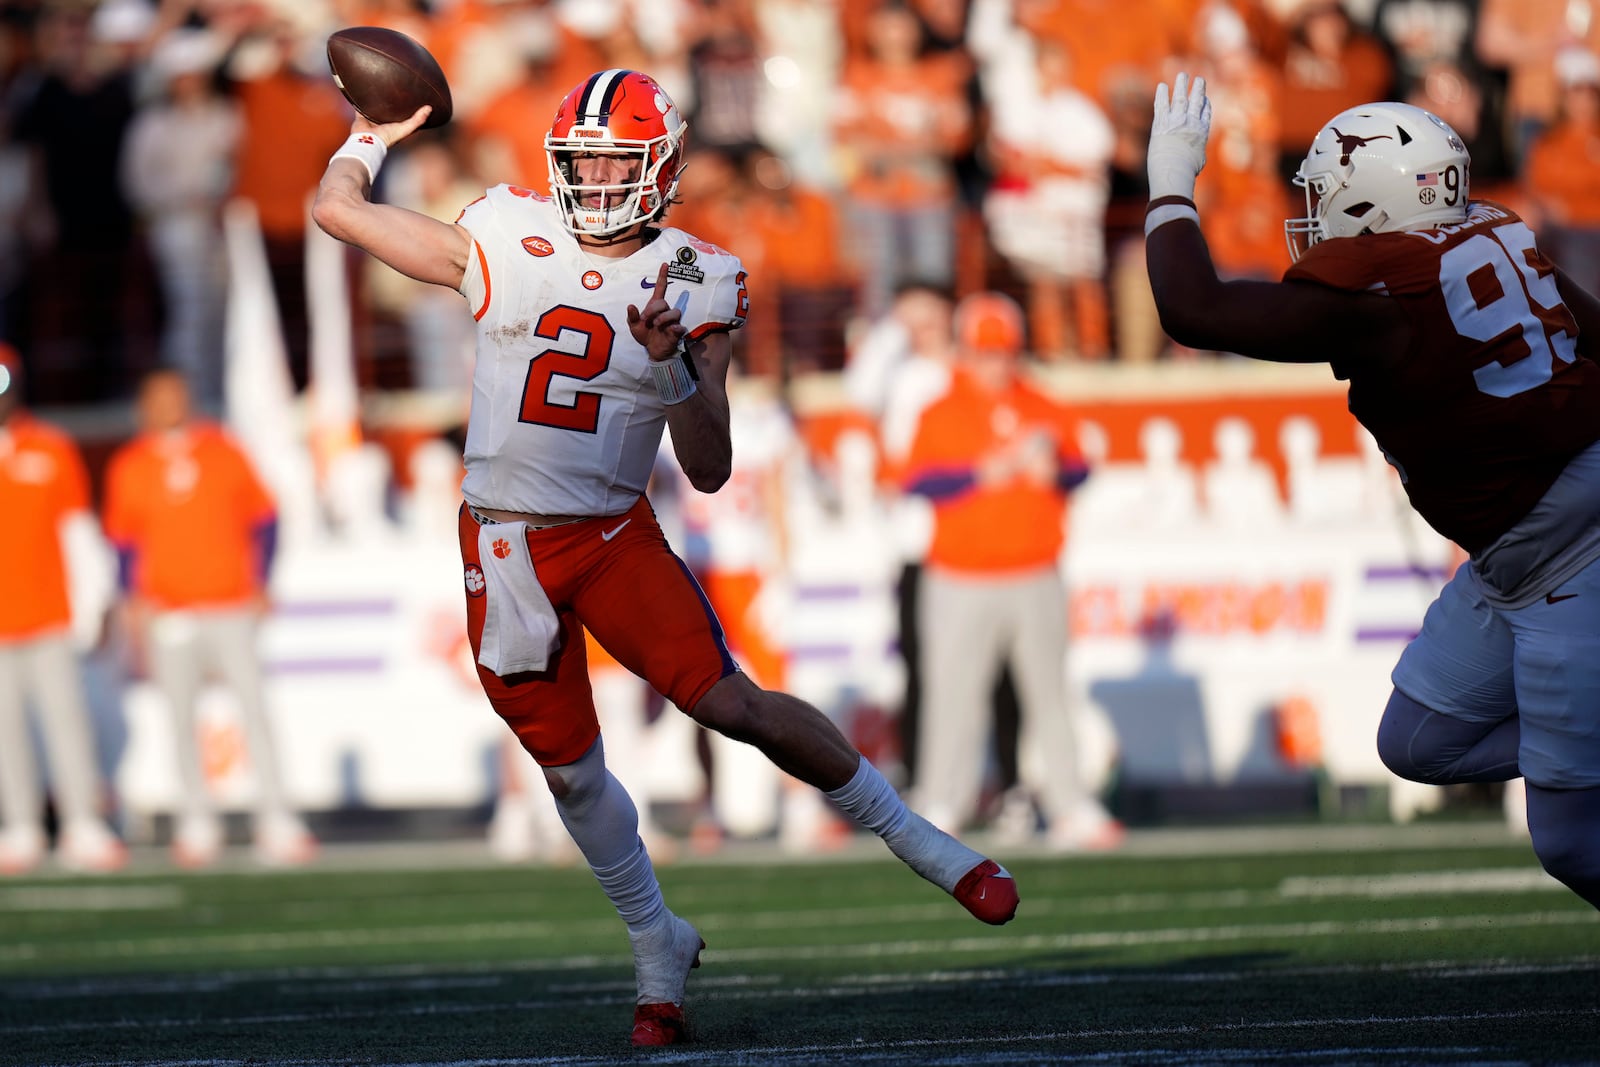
(1470, 358)
(596, 327)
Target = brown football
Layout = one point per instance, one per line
(386, 75)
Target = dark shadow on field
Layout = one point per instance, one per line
(1249, 1007)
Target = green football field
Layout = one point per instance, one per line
(1292, 944)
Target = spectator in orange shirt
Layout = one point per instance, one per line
(507, 133)
(1563, 170)
(1524, 38)
(194, 531)
(798, 226)
(995, 455)
(43, 488)
(1111, 42)
(1245, 198)
(293, 120)
(1332, 64)
(901, 118)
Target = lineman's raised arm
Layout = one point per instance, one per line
(1286, 322)
(409, 241)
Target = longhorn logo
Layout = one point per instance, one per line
(1349, 142)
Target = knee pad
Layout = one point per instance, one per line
(574, 783)
(1397, 732)
(1423, 745)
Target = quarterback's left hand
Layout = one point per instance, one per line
(1178, 138)
(657, 327)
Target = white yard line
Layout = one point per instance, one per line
(109, 897)
(1422, 883)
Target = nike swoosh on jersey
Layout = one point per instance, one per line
(1551, 598)
(606, 535)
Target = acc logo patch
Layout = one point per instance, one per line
(684, 269)
(474, 579)
(592, 279)
(537, 246)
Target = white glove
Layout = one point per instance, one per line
(1178, 138)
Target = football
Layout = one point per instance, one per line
(386, 75)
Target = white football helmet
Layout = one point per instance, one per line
(1380, 168)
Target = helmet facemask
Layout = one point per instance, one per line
(638, 121)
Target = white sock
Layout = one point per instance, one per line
(870, 800)
(604, 824)
(631, 885)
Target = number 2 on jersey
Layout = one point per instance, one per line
(1527, 302)
(583, 414)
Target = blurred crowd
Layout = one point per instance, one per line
(841, 149)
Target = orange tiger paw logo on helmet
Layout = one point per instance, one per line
(502, 548)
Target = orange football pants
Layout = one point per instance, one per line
(637, 599)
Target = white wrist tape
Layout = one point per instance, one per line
(1174, 208)
(367, 149)
(673, 380)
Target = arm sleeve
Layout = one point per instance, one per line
(944, 483)
(265, 536)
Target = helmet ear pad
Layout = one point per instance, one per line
(1380, 168)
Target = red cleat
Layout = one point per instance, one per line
(658, 1024)
(663, 971)
(988, 892)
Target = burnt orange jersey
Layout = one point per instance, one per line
(1492, 399)
(186, 506)
(42, 481)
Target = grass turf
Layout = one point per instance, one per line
(1318, 949)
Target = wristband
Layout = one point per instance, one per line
(367, 149)
(1165, 209)
(673, 380)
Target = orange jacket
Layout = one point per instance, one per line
(187, 514)
(1013, 526)
(42, 481)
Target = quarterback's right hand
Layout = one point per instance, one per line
(1178, 138)
(392, 133)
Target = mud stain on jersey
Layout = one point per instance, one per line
(511, 331)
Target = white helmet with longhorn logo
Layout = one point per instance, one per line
(1380, 168)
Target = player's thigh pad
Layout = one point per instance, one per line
(1460, 664)
(647, 610)
(1558, 683)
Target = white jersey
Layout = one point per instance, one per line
(565, 415)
